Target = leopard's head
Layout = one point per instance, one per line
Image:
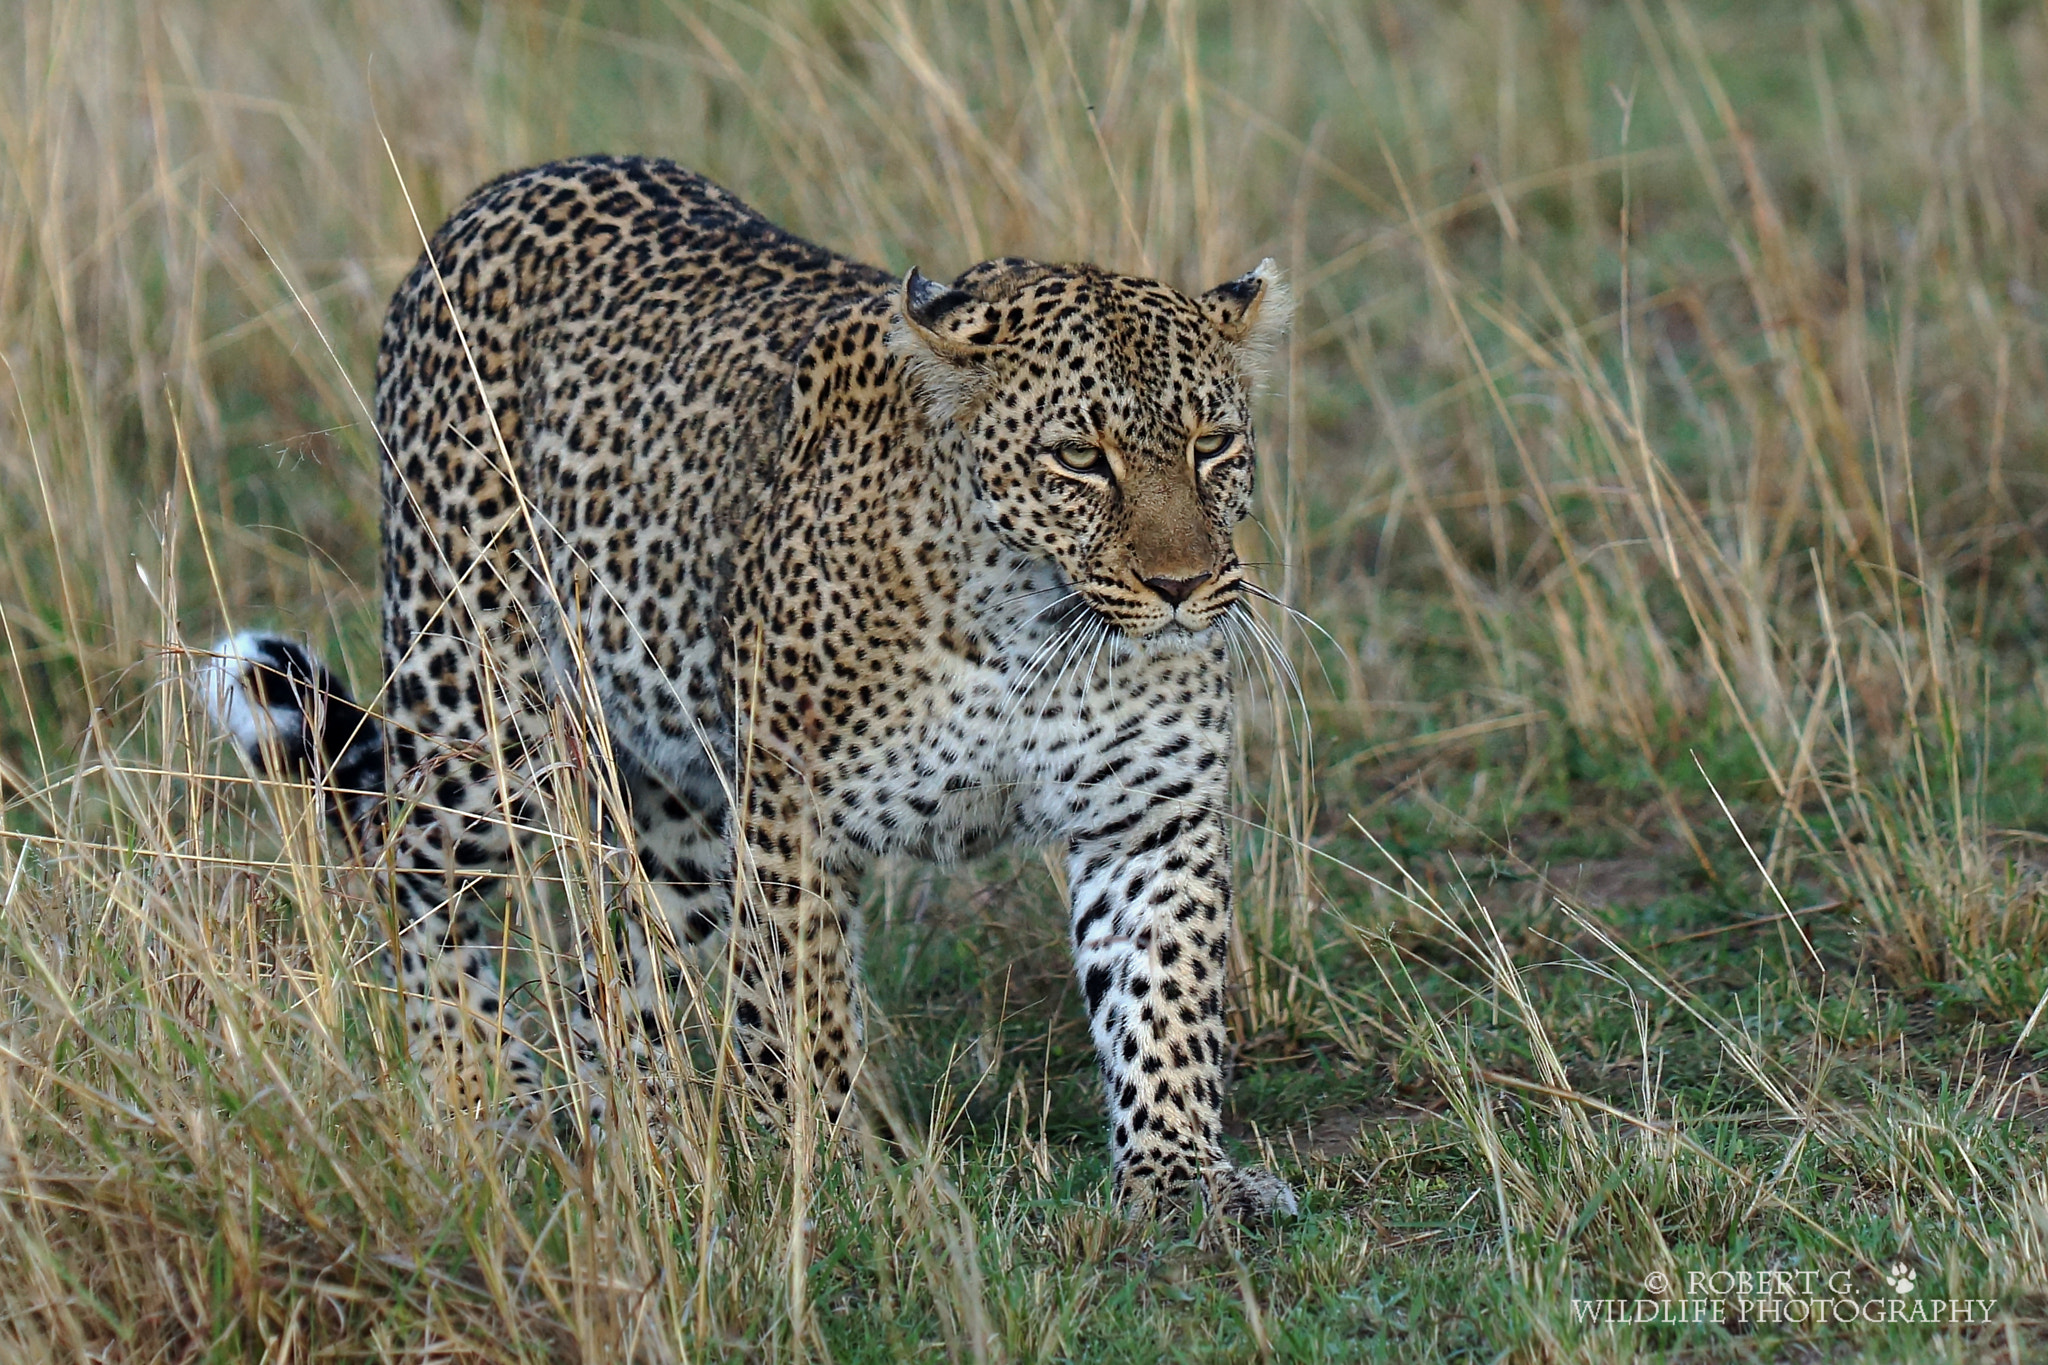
(1107, 421)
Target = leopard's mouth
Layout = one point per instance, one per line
(1138, 618)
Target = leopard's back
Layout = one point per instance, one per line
(609, 408)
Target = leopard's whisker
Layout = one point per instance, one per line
(1042, 657)
(1052, 694)
(1300, 618)
(1032, 592)
(1228, 629)
(1267, 640)
(1245, 656)
(1028, 678)
(1278, 655)
(1088, 674)
(1059, 648)
(1053, 605)
(1033, 662)
(1095, 635)
(1278, 693)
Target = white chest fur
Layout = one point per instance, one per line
(1059, 718)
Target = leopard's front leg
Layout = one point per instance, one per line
(1151, 924)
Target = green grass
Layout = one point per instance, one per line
(1660, 446)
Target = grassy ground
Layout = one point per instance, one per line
(1643, 887)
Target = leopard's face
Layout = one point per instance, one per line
(1108, 420)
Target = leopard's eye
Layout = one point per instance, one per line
(1213, 443)
(1080, 457)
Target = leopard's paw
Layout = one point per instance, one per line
(1250, 1193)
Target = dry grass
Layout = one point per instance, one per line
(1664, 423)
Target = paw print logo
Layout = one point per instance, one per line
(1899, 1279)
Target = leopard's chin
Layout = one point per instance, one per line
(1176, 635)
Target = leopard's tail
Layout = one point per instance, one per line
(291, 717)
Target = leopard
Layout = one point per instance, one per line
(848, 566)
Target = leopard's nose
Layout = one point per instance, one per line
(1178, 590)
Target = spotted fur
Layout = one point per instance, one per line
(852, 567)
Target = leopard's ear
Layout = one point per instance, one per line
(945, 334)
(1252, 311)
(951, 324)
